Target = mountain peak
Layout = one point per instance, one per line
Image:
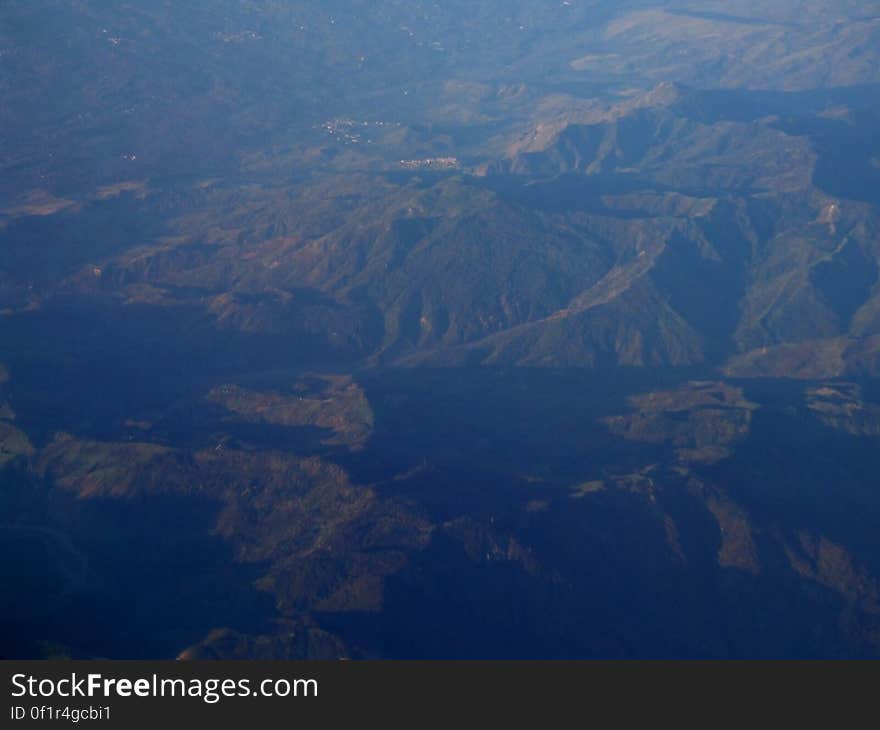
(664, 94)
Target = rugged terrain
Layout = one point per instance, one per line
(440, 330)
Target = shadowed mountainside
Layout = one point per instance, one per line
(458, 330)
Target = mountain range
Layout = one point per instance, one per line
(460, 330)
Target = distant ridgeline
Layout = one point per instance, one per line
(463, 329)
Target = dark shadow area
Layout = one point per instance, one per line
(88, 365)
(747, 105)
(800, 474)
(543, 423)
(144, 577)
